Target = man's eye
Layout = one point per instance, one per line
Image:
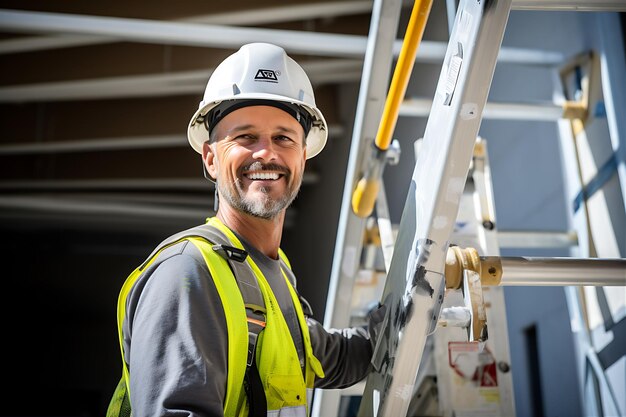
(282, 138)
(245, 136)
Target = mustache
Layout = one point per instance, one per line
(259, 166)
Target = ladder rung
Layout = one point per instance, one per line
(537, 239)
(420, 107)
(575, 5)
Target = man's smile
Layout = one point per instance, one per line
(264, 172)
(260, 175)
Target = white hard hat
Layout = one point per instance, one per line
(260, 73)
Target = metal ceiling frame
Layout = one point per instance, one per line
(148, 85)
(68, 27)
(222, 36)
(112, 144)
(176, 33)
(270, 15)
(261, 16)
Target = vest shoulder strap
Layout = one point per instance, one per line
(252, 298)
(246, 280)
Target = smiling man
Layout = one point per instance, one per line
(266, 150)
(212, 324)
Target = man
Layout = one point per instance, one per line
(197, 342)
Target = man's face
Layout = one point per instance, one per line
(258, 159)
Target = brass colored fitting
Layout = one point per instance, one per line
(454, 271)
(479, 149)
(575, 110)
(459, 259)
(372, 233)
(490, 270)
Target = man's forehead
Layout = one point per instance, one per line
(237, 127)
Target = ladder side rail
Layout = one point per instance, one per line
(486, 219)
(414, 287)
(349, 242)
(376, 73)
(613, 68)
(576, 222)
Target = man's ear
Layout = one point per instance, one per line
(208, 159)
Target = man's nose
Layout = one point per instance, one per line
(264, 149)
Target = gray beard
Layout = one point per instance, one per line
(263, 207)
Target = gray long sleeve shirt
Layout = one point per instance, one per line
(176, 344)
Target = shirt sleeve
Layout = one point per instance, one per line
(345, 354)
(178, 350)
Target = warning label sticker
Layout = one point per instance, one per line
(474, 379)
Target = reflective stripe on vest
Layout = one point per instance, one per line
(299, 411)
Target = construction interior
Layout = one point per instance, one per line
(96, 170)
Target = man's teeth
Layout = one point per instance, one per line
(262, 176)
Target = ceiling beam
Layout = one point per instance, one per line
(174, 33)
(180, 184)
(289, 13)
(43, 43)
(94, 145)
(149, 85)
(81, 206)
(41, 210)
(221, 36)
(112, 144)
(145, 184)
(255, 17)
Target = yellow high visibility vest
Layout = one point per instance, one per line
(287, 392)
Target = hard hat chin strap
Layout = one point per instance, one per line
(214, 181)
(216, 199)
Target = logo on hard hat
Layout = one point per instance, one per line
(266, 75)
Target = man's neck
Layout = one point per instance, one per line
(263, 234)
